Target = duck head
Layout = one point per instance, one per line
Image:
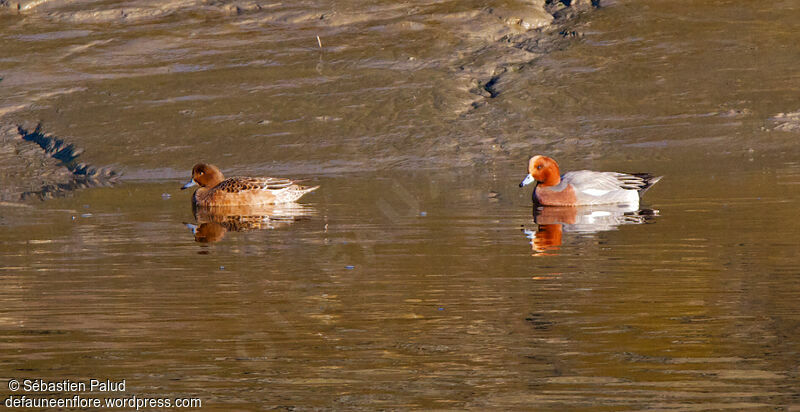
(204, 175)
(542, 170)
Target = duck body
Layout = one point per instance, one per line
(584, 187)
(217, 191)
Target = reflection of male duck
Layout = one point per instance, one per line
(552, 221)
(546, 238)
(215, 222)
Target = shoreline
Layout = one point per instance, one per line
(496, 41)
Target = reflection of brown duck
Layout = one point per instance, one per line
(208, 232)
(215, 222)
(552, 221)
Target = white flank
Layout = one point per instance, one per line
(595, 192)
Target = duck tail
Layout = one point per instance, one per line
(306, 189)
(294, 192)
(648, 181)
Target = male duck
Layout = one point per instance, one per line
(584, 187)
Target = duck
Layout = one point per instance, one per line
(217, 191)
(584, 187)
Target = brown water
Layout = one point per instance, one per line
(409, 287)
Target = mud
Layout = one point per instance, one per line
(787, 122)
(470, 47)
(40, 166)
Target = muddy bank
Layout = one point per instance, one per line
(427, 85)
(384, 86)
(525, 14)
(39, 166)
(492, 39)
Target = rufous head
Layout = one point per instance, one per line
(542, 170)
(204, 175)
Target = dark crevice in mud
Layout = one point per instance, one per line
(66, 153)
(489, 86)
(39, 166)
(544, 40)
(570, 33)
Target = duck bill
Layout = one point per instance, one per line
(528, 180)
(188, 185)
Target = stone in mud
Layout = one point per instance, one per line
(23, 5)
(522, 16)
(787, 122)
(567, 9)
(242, 7)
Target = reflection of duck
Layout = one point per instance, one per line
(584, 187)
(215, 190)
(208, 232)
(215, 222)
(552, 221)
(546, 238)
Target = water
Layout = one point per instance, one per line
(416, 277)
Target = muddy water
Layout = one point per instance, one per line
(438, 288)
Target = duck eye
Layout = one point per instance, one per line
(539, 167)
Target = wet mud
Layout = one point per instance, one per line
(39, 166)
(452, 56)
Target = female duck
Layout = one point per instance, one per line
(584, 187)
(215, 190)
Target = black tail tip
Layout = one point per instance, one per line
(649, 181)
